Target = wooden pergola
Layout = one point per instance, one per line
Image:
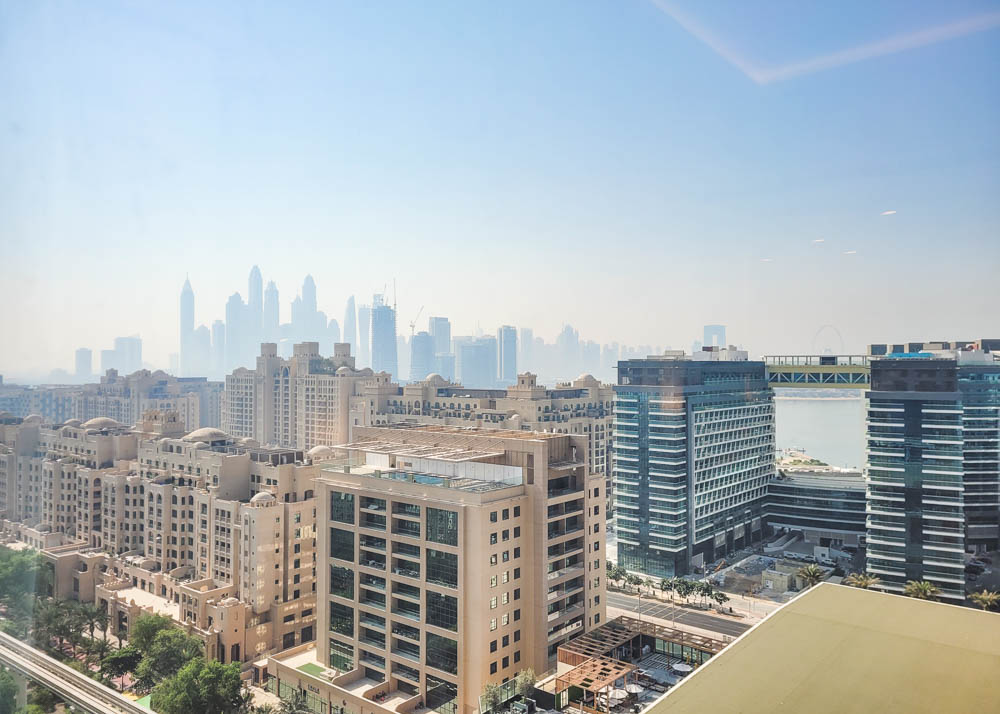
(595, 676)
(625, 631)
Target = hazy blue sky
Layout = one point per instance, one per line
(623, 166)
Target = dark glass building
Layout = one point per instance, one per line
(694, 451)
(933, 483)
(828, 507)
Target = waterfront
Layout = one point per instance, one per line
(831, 430)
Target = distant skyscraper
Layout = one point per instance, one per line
(236, 341)
(440, 330)
(350, 331)
(84, 363)
(255, 303)
(444, 364)
(186, 326)
(715, 335)
(109, 360)
(507, 354)
(421, 356)
(201, 345)
(129, 351)
(364, 336)
(477, 358)
(309, 294)
(219, 348)
(527, 342)
(271, 318)
(384, 337)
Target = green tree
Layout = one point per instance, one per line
(170, 650)
(200, 686)
(524, 682)
(921, 590)
(861, 580)
(811, 574)
(491, 698)
(720, 597)
(120, 662)
(986, 599)
(8, 692)
(145, 629)
(43, 697)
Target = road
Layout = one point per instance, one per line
(88, 695)
(669, 613)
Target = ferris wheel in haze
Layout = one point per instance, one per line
(826, 338)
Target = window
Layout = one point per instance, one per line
(342, 507)
(517, 531)
(493, 559)
(506, 556)
(341, 619)
(493, 603)
(517, 552)
(517, 656)
(506, 535)
(442, 611)
(506, 640)
(505, 598)
(517, 615)
(505, 576)
(493, 581)
(493, 667)
(506, 619)
(341, 582)
(442, 568)
(493, 517)
(493, 538)
(517, 511)
(442, 653)
(493, 624)
(341, 655)
(342, 544)
(517, 635)
(493, 646)
(506, 662)
(517, 593)
(442, 526)
(517, 573)
(506, 513)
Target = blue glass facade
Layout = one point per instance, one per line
(694, 450)
(933, 485)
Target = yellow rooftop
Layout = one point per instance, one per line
(839, 650)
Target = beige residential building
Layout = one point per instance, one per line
(583, 406)
(302, 402)
(448, 558)
(212, 530)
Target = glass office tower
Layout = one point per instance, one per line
(933, 486)
(694, 451)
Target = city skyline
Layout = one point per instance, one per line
(713, 170)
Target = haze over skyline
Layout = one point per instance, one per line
(636, 170)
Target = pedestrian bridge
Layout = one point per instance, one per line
(818, 371)
(77, 689)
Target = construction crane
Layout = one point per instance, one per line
(413, 323)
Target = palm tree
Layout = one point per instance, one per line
(811, 574)
(862, 580)
(921, 590)
(986, 599)
(648, 582)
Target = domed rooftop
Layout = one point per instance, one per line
(320, 452)
(207, 434)
(33, 419)
(72, 422)
(263, 497)
(586, 377)
(345, 370)
(101, 423)
(435, 378)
